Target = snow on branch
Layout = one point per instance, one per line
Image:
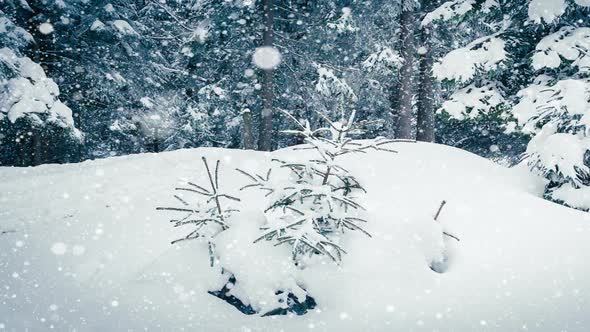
(473, 100)
(559, 115)
(546, 10)
(569, 43)
(448, 11)
(565, 104)
(329, 85)
(384, 59)
(482, 55)
(31, 94)
(345, 23)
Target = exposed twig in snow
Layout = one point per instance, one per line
(442, 204)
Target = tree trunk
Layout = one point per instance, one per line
(248, 136)
(426, 112)
(404, 91)
(266, 115)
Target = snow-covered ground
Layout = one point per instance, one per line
(91, 253)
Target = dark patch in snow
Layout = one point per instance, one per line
(293, 304)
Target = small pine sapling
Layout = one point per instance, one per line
(318, 202)
(209, 218)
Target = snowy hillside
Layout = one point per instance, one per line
(89, 251)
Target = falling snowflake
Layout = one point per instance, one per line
(46, 28)
(59, 248)
(266, 57)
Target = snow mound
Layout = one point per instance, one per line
(89, 252)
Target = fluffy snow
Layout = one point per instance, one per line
(383, 59)
(345, 23)
(463, 63)
(123, 27)
(564, 99)
(46, 28)
(330, 85)
(266, 57)
(129, 277)
(31, 93)
(569, 43)
(471, 101)
(575, 197)
(448, 11)
(13, 33)
(546, 10)
(96, 25)
(549, 10)
(558, 152)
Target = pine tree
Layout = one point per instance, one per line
(35, 125)
(318, 203)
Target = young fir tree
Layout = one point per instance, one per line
(208, 217)
(319, 201)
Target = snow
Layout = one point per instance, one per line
(344, 23)
(147, 102)
(46, 28)
(383, 59)
(564, 99)
(448, 11)
(575, 197)
(559, 152)
(123, 27)
(59, 248)
(129, 277)
(266, 57)
(329, 85)
(546, 10)
(32, 93)
(96, 25)
(462, 64)
(473, 100)
(568, 43)
(201, 32)
(14, 33)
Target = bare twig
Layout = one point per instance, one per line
(442, 204)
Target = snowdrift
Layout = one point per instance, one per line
(89, 251)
